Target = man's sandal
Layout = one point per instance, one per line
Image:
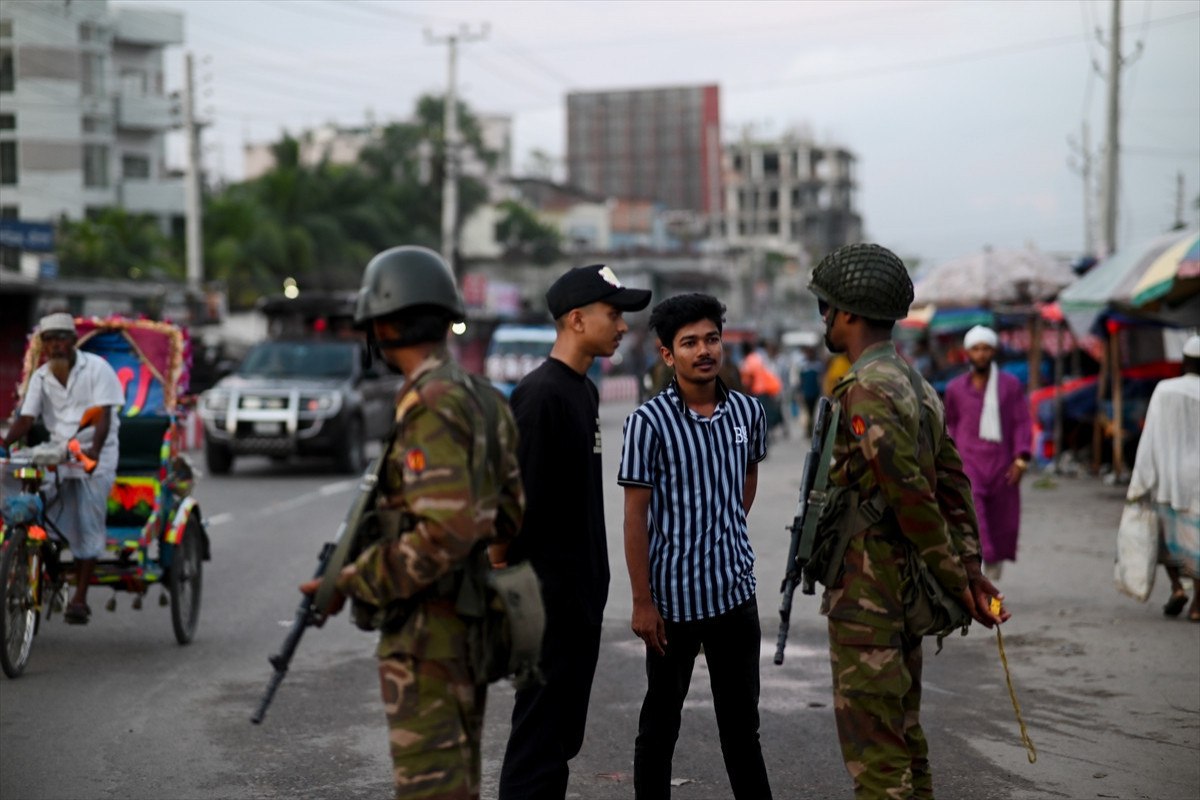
(1174, 606)
(77, 614)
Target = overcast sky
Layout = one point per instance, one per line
(959, 112)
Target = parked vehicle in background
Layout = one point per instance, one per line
(308, 396)
(515, 351)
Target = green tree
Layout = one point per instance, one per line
(525, 237)
(116, 244)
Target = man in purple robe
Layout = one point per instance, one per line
(987, 414)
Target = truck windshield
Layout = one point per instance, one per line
(300, 360)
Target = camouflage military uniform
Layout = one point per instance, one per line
(434, 704)
(927, 497)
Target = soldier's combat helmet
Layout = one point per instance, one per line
(864, 279)
(407, 277)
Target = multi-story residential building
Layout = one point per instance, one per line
(788, 192)
(83, 110)
(658, 145)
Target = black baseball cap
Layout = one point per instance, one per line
(582, 286)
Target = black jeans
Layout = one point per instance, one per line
(548, 721)
(731, 645)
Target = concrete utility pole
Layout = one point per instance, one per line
(1084, 168)
(1112, 146)
(451, 136)
(1179, 223)
(1113, 132)
(195, 266)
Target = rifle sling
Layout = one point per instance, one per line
(818, 496)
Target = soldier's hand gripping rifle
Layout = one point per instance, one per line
(313, 608)
(808, 510)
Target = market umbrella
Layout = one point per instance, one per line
(1111, 285)
(993, 277)
(1173, 276)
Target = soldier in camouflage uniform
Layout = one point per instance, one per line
(434, 703)
(899, 498)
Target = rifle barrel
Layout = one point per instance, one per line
(283, 659)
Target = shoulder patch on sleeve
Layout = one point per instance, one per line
(414, 460)
(859, 425)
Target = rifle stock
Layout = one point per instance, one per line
(800, 546)
(313, 608)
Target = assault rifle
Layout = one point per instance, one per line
(808, 511)
(333, 557)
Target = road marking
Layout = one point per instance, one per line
(329, 489)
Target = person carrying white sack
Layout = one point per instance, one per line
(1166, 473)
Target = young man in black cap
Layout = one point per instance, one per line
(558, 417)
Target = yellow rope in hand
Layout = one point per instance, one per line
(1032, 751)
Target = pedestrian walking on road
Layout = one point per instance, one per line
(443, 493)
(563, 537)
(987, 415)
(901, 504)
(1167, 471)
(689, 466)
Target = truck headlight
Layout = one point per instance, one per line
(214, 400)
(323, 404)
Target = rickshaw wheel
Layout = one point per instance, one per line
(19, 618)
(184, 582)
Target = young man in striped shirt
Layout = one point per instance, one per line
(689, 466)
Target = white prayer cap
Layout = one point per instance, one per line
(60, 321)
(1191, 348)
(980, 335)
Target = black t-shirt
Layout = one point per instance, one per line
(558, 418)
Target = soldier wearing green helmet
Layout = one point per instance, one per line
(450, 483)
(900, 513)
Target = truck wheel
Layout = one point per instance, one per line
(218, 457)
(352, 457)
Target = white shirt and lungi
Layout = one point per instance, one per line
(77, 502)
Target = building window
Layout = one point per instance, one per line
(7, 72)
(92, 76)
(133, 83)
(95, 165)
(10, 257)
(8, 122)
(770, 163)
(8, 163)
(96, 125)
(135, 168)
(6, 28)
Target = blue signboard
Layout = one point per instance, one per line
(36, 237)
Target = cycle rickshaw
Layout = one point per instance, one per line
(155, 532)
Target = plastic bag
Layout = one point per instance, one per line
(1137, 550)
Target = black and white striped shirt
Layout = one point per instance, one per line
(701, 562)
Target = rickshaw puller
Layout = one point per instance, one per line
(60, 391)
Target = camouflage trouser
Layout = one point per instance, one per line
(435, 727)
(877, 704)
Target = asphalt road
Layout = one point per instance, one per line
(1110, 689)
